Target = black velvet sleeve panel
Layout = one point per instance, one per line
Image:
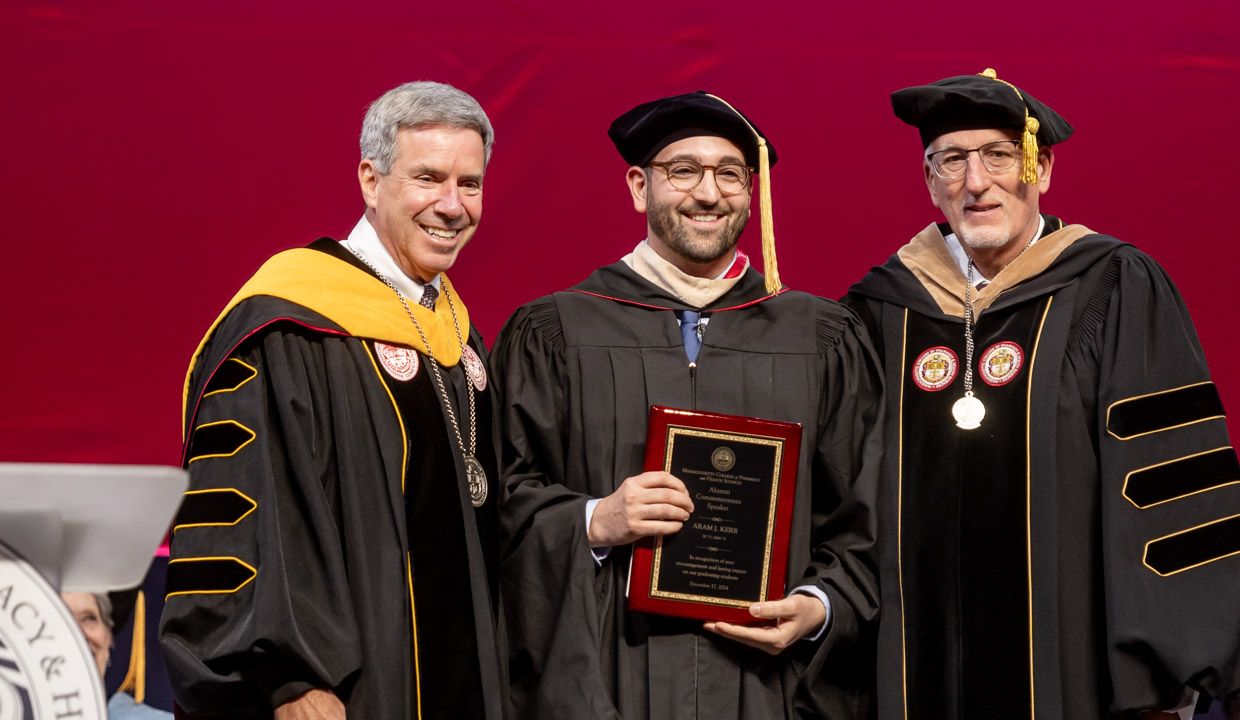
(1182, 477)
(243, 646)
(1169, 566)
(215, 507)
(1164, 410)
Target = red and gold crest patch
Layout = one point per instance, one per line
(935, 368)
(399, 362)
(1001, 363)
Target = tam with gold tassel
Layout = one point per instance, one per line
(975, 102)
(770, 264)
(642, 132)
(1029, 138)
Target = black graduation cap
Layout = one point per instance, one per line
(642, 132)
(973, 102)
(123, 602)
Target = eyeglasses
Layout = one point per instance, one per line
(685, 175)
(999, 156)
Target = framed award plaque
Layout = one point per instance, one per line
(741, 473)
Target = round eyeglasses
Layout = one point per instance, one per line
(999, 156)
(685, 175)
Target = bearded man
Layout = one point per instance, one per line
(1061, 516)
(682, 321)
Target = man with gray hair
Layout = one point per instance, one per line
(336, 548)
(1060, 513)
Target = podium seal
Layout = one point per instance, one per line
(46, 670)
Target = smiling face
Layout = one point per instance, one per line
(695, 230)
(85, 609)
(428, 206)
(989, 212)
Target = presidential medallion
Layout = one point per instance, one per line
(476, 477)
(968, 412)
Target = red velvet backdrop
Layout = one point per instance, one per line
(156, 152)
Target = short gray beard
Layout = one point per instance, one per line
(984, 239)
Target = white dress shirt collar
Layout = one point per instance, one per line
(364, 242)
(962, 258)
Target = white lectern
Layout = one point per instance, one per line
(76, 528)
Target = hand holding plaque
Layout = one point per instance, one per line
(791, 618)
(652, 503)
(732, 552)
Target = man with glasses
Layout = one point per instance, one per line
(683, 321)
(1061, 510)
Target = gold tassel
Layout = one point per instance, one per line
(770, 266)
(135, 677)
(1029, 139)
(1029, 149)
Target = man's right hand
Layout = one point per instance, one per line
(653, 503)
(314, 705)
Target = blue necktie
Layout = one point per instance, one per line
(689, 332)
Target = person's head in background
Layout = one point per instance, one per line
(93, 614)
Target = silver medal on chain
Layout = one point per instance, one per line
(475, 474)
(968, 410)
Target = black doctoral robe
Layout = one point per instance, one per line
(327, 539)
(578, 372)
(1078, 554)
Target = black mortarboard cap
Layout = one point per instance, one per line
(974, 102)
(642, 132)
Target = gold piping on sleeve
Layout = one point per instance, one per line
(413, 613)
(238, 449)
(239, 561)
(247, 513)
(1033, 358)
(253, 374)
(900, 517)
(1128, 477)
(1113, 405)
(1146, 555)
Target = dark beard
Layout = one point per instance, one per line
(663, 221)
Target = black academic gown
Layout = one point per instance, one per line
(1077, 555)
(327, 539)
(579, 371)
